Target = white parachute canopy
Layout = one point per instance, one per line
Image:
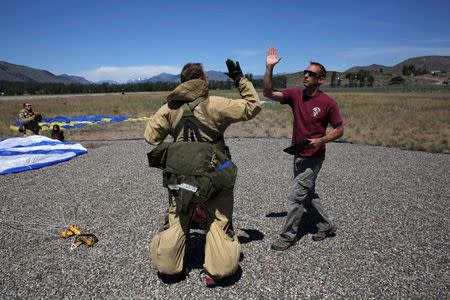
(33, 152)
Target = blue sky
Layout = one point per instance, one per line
(122, 40)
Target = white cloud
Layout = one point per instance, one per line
(123, 74)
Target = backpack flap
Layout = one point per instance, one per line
(225, 172)
(189, 158)
(184, 188)
(158, 156)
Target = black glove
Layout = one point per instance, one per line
(38, 117)
(234, 71)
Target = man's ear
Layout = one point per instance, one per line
(205, 76)
(321, 80)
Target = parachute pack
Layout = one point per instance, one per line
(193, 169)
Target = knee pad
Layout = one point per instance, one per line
(167, 250)
(221, 252)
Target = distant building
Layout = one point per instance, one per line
(436, 73)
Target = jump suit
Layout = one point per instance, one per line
(31, 126)
(222, 247)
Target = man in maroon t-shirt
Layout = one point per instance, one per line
(313, 110)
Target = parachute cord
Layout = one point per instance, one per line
(70, 197)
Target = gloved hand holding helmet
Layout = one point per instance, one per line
(234, 71)
(37, 117)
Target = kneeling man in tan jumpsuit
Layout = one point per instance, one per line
(222, 248)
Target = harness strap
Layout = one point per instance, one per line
(88, 239)
(191, 126)
(196, 102)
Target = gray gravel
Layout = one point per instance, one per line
(391, 208)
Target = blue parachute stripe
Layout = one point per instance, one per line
(224, 165)
(33, 152)
(43, 143)
(80, 121)
(33, 167)
(56, 151)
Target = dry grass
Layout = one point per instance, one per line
(415, 120)
(136, 104)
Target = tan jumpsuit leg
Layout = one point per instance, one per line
(221, 251)
(168, 246)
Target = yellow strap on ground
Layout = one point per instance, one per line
(70, 231)
(81, 238)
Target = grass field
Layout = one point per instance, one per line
(418, 120)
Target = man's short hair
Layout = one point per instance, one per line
(191, 71)
(323, 71)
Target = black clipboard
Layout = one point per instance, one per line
(299, 147)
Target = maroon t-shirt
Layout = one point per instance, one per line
(311, 117)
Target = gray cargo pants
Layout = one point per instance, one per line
(303, 195)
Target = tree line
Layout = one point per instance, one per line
(411, 70)
(33, 88)
(362, 78)
(12, 88)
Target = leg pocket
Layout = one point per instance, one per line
(167, 250)
(221, 252)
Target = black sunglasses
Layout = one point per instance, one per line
(312, 74)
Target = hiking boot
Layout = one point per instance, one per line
(207, 279)
(173, 278)
(210, 282)
(323, 234)
(281, 245)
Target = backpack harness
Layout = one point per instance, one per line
(194, 170)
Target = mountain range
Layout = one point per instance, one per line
(429, 63)
(166, 77)
(19, 73)
(12, 72)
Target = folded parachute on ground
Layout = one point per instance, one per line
(33, 152)
(81, 121)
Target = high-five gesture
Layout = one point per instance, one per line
(234, 71)
(272, 58)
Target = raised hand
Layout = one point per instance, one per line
(272, 58)
(234, 71)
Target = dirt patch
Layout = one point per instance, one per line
(93, 144)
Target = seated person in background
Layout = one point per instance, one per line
(30, 120)
(57, 134)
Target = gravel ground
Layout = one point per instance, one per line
(391, 208)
